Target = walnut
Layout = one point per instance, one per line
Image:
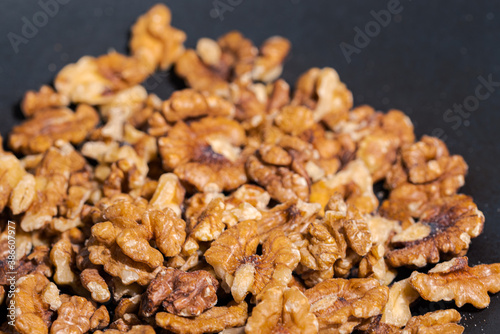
(354, 183)
(135, 329)
(36, 262)
(154, 41)
(212, 321)
(52, 177)
(185, 294)
(206, 153)
(233, 256)
(452, 221)
(268, 65)
(442, 321)
(294, 119)
(73, 316)
(95, 284)
(100, 318)
(290, 217)
(282, 310)
(39, 133)
(188, 103)
(11, 174)
(281, 183)
(209, 224)
(341, 304)
(397, 310)
(46, 98)
(62, 257)
(382, 229)
(322, 91)
(455, 280)
(168, 230)
(374, 265)
(32, 312)
(251, 194)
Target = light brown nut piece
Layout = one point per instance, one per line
(189, 103)
(290, 217)
(341, 304)
(376, 326)
(136, 329)
(134, 243)
(36, 262)
(355, 176)
(455, 280)
(382, 229)
(280, 182)
(95, 284)
(251, 194)
(209, 224)
(322, 91)
(453, 221)
(212, 321)
(168, 229)
(73, 316)
(185, 294)
(269, 64)
(100, 318)
(442, 321)
(282, 310)
(154, 41)
(397, 310)
(11, 173)
(39, 133)
(378, 151)
(32, 313)
(62, 257)
(374, 265)
(233, 256)
(294, 119)
(52, 177)
(45, 98)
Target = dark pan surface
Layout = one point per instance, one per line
(430, 56)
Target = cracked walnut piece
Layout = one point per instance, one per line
(455, 280)
(233, 256)
(452, 222)
(282, 310)
(442, 321)
(182, 293)
(212, 321)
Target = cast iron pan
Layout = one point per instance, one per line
(423, 58)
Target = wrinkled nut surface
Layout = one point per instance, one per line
(282, 310)
(182, 293)
(341, 304)
(212, 321)
(397, 310)
(455, 280)
(442, 321)
(73, 316)
(95, 284)
(446, 228)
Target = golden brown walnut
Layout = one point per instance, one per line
(251, 194)
(100, 318)
(73, 316)
(294, 119)
(182, 293)
(341, 304)
(135, 329)
(62, 257)
(374, 265)
(452, 222)
(455, 280)
(212, 321)
(11, 174)
(168, 230)
(189, 103)
(154, 41)
(32, 312)
(206, 153)
(282, 310)
(280, 182)
(233, 256)
(45, 98)
(36, 262)
(442, 321)
(291, 217)
(209, 224)
(397, 310)
(375, 326)
(95, 284)
(322, 91)
(382, 229)
(268, 65)
(52, 177)
(354, 183)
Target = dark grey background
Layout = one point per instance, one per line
(427, 59)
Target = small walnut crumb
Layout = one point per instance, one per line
(397, 310)
(442, 321)
(45, 99)
(96, 285)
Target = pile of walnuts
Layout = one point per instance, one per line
(234, 206)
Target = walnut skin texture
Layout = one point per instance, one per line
(233, 256)
(453, 221)
(212, 321)
(282, 310)
(442, 321)
(455, 280)
(341, 304)
(184, 294)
